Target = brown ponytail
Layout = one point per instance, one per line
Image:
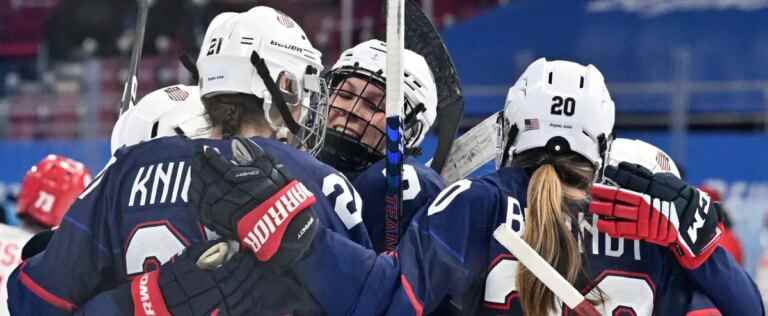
(229, 112)
(548, 224)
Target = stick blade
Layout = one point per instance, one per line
(422, 37)
(472, 150)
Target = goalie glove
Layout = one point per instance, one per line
(658, 208)
(254, 201)
(200, 281)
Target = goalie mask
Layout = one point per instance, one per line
(263, 53)
(558, 105)
(356, 121)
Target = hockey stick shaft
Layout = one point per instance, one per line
(130, 89)
(543, 271)
(394, 130)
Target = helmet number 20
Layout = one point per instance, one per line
(563, 106)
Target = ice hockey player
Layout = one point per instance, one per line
(354, 140)
(47, 191)
(557, 125)
(259, 79)
(656, 161)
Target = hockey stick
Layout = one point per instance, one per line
(543, 271)
(472, 150)
(422, 38)
(394, 110)
(130, 89)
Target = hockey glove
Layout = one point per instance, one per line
(254, 201)
(193, 284)
(657, 208)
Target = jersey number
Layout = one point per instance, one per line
(562, 106)
(45, 201)
(626, 294)
(347, 202)
(410, 182)
(447, 195)
(152, 244)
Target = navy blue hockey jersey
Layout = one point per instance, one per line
(449, 251)
(701, 305)
(420, 185)
(134, 216)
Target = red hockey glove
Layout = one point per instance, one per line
(657, 208)
(193, 284)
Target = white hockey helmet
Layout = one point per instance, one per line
(217, 21)
(265, 43)
(369, 59)
(559, 105)
(639, 152)
(169, 111)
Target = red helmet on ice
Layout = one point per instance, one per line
(713, 193)
(49, 188)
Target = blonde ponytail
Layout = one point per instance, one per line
(548, 232)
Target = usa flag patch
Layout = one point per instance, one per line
(176, 94)
(663, 161)
(531, 124)
(285, 20)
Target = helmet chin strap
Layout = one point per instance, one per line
(511, 135)
(282, 134)
(604, 143)
(277, 96)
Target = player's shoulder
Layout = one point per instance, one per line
(293, 158)
(180, 147)
(157, 150)
(424, 172)
(489, 190)
(504, 180)
(377, 170)
(427, 175)
(511, 182)
(147, 158)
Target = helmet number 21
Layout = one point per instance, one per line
(563, 106)
(215, 47)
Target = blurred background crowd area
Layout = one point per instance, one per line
(688, 76)
(62, 62)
